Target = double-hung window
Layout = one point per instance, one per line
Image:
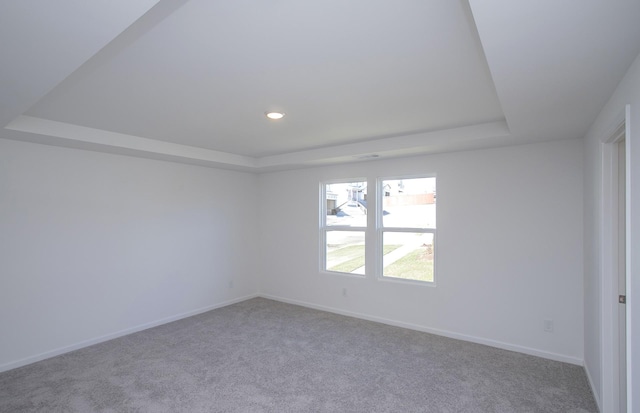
(344, 222)
(406, 227)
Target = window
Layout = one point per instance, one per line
(403, 242)
(407, 228)
(344, 223)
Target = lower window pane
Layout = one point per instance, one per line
(345, 251)
(408, 255)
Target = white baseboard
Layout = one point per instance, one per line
(596, 395)
(48, 354)
(445, 333)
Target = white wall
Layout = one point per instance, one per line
(509, 252)
(627, 92)
(93, 245)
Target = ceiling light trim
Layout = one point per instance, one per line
(273, 115)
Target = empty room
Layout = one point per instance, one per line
(319, 206)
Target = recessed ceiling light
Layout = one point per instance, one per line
(274, 115)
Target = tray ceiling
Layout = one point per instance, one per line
(191, 80)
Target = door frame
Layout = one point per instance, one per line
(610, 332)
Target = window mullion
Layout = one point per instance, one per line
(370, 235)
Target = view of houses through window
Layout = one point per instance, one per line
(346, 222)
(408, 228)
(405, 217)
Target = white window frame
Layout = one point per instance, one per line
(373, 232)
(324, 228)
(380, 230)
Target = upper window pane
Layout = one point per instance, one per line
(346, 204)
(409, 203)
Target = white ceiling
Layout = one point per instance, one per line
(190, 80)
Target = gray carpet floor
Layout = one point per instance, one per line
(264, 356)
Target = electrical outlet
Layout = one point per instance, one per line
(344, 292)
(548, 326)
(231, 284)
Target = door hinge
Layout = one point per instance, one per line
(622, 299)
